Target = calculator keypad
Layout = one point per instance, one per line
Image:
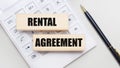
(24, 39)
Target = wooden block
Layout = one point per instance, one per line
(42, 22)
(57, 42)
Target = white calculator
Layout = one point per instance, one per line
(23, 39)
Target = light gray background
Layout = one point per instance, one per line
(107, 15)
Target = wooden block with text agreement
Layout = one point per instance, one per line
(58, 42)
(42, 22)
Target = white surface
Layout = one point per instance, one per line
(105, 12)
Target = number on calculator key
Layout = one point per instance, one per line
(23, 39)
(76, 29)
(34, 56)
(71, 19)
(28, 48)
(59, 3)
(48, 9)
(30, 7)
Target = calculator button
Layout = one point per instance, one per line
(30, 7)
(41, 1)
(76, 30)
(15, 32)
(28, 48)
(71, 19)
(48, 9)
(34, 56)
(20, 11)
(10, 22)
(59, 3)
(23, 39)
(65, 9)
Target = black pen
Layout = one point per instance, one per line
(101, 34)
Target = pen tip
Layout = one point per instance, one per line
(118, 51)
(83, 9)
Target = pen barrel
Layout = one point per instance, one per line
(103, 37)
(97, 29)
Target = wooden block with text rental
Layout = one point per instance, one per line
(58, 42)
(42, 22)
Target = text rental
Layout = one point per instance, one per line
(41, 21)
